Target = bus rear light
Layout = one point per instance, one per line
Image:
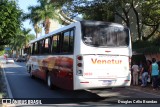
(79, 58)
(79, 64)
(79, 72)
(79, 67)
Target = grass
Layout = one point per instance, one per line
(1, 84)
(3, 92)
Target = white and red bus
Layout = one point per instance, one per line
(83, 55)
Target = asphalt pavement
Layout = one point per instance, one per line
(147, 89)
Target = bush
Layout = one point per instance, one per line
(1, 53)
(147, 47)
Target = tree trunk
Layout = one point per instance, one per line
(47, 25)
(137, 21)
(35, 29)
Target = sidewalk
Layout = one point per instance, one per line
(148, 89)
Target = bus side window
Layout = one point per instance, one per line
(40, 46)
(34, 48)
(29, 50)
(67, 42)
(46, 46)
(71, 41)
(55, 44)
(50, 44)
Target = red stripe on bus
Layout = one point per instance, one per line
(84, 82)
(126, 80)
(107, 51)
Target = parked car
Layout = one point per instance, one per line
(20, 59)
(9, 60)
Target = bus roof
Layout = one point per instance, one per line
(54, 32)
(74, 24)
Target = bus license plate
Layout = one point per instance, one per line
(107, 82)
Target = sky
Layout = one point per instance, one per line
(24, 4)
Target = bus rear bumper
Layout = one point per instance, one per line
(102, 83)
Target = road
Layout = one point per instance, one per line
(22, 86)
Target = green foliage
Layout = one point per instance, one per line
(1, 52)
(90, 10)
(101, 12)
(145, 13)
(9, 21)
(41, 13)
(152, 46)
(22, 39)
(151, 12)
(151, 17)
(140, 44)
(1, 47)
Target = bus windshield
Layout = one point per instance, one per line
(105, 35)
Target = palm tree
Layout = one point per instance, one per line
(34, 19)
(26, 36)
(42, 13)
(45, 11)
(21, 40)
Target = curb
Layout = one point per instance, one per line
(9, 92)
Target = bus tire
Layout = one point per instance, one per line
(49, 82)
(31, 75)
(29, 69)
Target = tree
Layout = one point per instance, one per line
(42, 13)
(22, 40)
(32, 15)
(64, 16)
(27, 37)
(46, 10)
(144, 13)
(86, 8)
(151, 17)
(10, 21)
(99, 8)
(145, 17)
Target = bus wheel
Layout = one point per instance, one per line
(29, 70)
(31, 75)
(49, 83)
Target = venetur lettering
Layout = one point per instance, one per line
(112, 61)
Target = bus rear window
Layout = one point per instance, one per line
(104, 35)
